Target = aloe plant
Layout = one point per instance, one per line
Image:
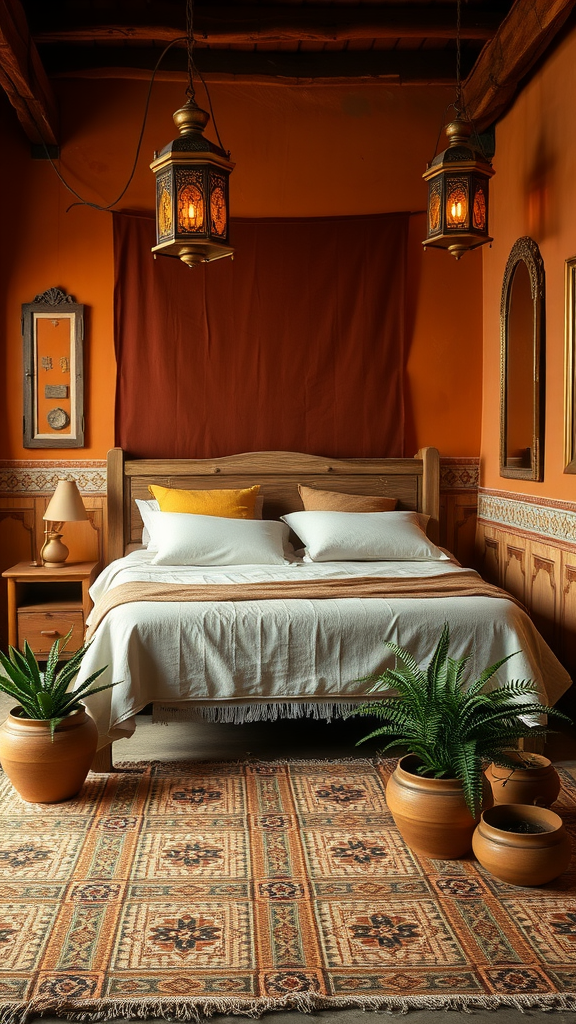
(46, 695)
(455, 728)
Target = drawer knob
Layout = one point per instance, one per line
(49, 632)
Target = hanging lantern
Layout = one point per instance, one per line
(458, 193)
(192, 192)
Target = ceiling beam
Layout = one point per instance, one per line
(408, 66)
(522, 38)
(285, 22)
(23, 78)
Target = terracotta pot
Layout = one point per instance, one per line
(538, 783)
(518, 858)
(45, 771)
(431, 814)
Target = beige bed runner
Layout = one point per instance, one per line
(450, 584)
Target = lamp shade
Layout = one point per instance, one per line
(65, 505)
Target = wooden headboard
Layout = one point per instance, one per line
(415, 483)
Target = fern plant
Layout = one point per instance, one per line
(46, 695)
(454, 728)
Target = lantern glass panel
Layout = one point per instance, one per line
(164, 201)
(479, 218)
(457, 203)
(191, 204)
(434, 206)
(218, 211)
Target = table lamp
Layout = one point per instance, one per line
(65, 506)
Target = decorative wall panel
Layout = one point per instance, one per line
(528, 546)
(17, 544)
(514, 569)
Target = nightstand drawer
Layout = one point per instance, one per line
(41, 629)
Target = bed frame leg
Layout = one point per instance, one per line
(103, 760)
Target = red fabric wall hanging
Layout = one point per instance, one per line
(295, 345)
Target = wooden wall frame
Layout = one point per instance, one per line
(53, 333)
(570, 366)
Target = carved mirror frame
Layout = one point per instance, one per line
(53, 371)
(525, 250)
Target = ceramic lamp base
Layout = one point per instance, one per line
(54, 553)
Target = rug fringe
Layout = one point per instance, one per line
(238, 714)
(199, 1008)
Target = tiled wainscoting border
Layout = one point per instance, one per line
(459, 474)
(550, 519)
(36, 477)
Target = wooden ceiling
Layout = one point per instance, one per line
(396, 41)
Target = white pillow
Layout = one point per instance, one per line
(362, 536)
(186, 539)
(145, 508)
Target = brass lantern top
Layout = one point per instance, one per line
(460, 151)
(191, 121)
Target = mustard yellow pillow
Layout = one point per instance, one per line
(225, 502)
(315, 500)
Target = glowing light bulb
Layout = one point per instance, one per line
(192, 214)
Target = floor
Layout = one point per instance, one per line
(303, 739)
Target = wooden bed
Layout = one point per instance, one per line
(415, 483)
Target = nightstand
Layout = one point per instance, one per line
(43, 604)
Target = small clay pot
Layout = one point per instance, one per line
(431, 814)
(43, 770)
(518, 857)
(535, 781)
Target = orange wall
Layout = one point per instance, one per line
(444, 366)
(533, 193)
(299, 151)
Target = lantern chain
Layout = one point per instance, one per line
(190, 48)
(458, 104)
(192, 69)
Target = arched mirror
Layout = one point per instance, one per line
(522, 363)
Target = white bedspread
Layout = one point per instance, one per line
(290, 650)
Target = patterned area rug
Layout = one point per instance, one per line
(182, 890)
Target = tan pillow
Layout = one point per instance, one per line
(335, 501)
